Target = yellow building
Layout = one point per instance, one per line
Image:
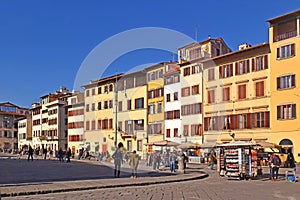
(237, 95)
(284, 42)
(131, 113)
(98, 114)
(155, 103)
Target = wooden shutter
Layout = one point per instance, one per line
(236, 68)
(293, 110)
(292, 49)
(266, 63)
(278, 112)
(206, 123)
(253, 64)
(249, 125)
(278, 83)
(221, 72)
(267, 119)
(232, 122)
(231, 70)
(278, 53)
(248, 65)
(293, 81)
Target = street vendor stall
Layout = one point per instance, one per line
(237, 160)
(192, 150)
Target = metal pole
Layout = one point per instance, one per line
(116, 111)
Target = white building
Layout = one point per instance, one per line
(172, 97)
(76, 122)
(25, 131)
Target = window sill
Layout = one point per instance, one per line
(285, 58)
(282, 89)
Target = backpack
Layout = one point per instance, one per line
(276, 161)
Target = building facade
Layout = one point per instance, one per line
(172, 104)
(284, 32)
(99, 114)
(25, 131)
(76, 137)
(9, 114)
(132, 112)
(155, 103)
(50, 120)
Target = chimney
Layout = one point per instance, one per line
(244, 45)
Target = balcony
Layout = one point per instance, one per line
(285, 36)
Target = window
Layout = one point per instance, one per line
(196, 129)
(87, 107)
(259, 89)
(286, 51)
(151, 94)
(185, 92)
(168, 133)
(175, 132)
(129, 126)
(196, 69)
(93, 125)
(168, 97)
(120, 106)
(186, 130)
(151, 108)
(176, 114)
(139, 103)
(242, 91)
(175, 96)
(151, 76)
(139, 124)
(120, 126)
(87, 125)
(106, 89)
(111, 87)
(129, 104)
(286, 111)
(211, 74)
(73, 101)
(242, 121)
(93, 91)
(225, 71)
(285, 82)
(226, 94)
(139, 145)
(105, 104)
(160, 92)
(242, 67)
(195, 89)
(110, 103)
(186, 71)
(191, 109)
(159, 73)
(226, 122)
(99, 105)
(93, 106)
(159, 107)
(99, 124)
(99, 90)
(211, 96)
(260, 63)
(87, 93)
(129, 145)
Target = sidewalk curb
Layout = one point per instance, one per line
(117, 185)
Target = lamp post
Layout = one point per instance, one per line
(116, 112)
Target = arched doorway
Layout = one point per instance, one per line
(287, 144)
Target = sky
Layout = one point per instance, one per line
(43, 44)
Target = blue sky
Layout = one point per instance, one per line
(43, 43)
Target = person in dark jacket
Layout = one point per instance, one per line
(30, 153)
(69, 153)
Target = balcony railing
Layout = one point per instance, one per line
(285, 36)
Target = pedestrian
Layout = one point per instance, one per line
(158, 160)
(154, 160)
(172, 162)
(80, 153)
(212, 159)
(291, 160)
(118, 157)
(133, 163)
(271, 156)
(30, 153)
(276, 162)
(60, 154)
(45, 153)
(69, 153)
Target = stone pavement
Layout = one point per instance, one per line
(23, 178)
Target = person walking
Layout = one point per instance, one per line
(118, 157)
(30, 153)
(133, 163)
(60, 154)
(212, 159)
(69, 153)
(276, 162)
(173, 162)
(45, 153)
(271, 165)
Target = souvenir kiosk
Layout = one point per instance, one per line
(237, 160)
